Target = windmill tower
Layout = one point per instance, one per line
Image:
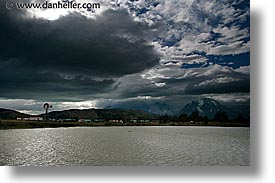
(46, 107)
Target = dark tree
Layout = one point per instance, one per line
(221, 116)
(164, 119)
(204, 118)
(240, 118)
(194, 116)
(183, 118)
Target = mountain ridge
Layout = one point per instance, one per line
(205, 106)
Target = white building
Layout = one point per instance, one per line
(34, 118)
(84, 120)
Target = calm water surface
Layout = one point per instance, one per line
(125, 146)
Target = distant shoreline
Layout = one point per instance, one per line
(14, 124)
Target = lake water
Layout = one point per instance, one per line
(154, 146)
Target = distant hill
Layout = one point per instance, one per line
(11, 114)
(72, 113)
(83, 114)
(100, 114)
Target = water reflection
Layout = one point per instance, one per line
(125, 146)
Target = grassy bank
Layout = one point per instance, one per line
(14, 124)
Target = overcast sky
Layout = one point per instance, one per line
(127, 52)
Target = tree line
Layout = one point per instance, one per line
(220, 116)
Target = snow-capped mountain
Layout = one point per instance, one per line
(205, 106)
(160, 109)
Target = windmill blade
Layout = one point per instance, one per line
(46, 106)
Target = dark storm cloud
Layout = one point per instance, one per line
(216, 87)
(160, 82)
(18, 82)
(73, 55)
(79, 45)
(174, 87)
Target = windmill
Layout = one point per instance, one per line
(46, 106)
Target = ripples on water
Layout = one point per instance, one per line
(125, 146)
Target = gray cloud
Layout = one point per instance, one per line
(72, 55)
(174, 81)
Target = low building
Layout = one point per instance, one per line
(33, 118)
(116, 121)
(155, 120)
(99, 120)
(84, 120)
(140, 120)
